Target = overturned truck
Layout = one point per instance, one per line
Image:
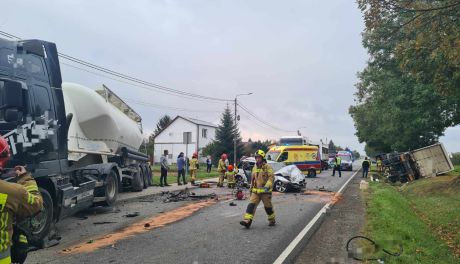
(425, 162)
(81, 145)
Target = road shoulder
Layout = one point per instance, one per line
(343, 221)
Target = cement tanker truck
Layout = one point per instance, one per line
(81, 145)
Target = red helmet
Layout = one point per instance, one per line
(224, 156)
(230, 167)
(195, 155)
(4, 152)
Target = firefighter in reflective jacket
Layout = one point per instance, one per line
(261, 189)
(221, 168)
(230, 175)
(17, 201)
(193, 167)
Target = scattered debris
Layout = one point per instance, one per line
(204, 185)
(146, 225)
(232, 204)
(103, 223)
(184, 195)
(322, 189)
(90, 241)
(132, 214)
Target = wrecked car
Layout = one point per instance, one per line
(286, 177)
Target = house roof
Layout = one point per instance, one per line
(198, 122)
(191, 120)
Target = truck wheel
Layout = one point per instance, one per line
(312, 173)
(150, 175)
(111, 188)
(280, 186)
(145, 175)
(38, 227)
(137, 183)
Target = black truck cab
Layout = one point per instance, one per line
(34, 122)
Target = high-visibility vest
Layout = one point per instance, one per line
(339, 161)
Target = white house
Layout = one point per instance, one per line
(173, 137)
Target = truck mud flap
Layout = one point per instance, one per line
(75, 199)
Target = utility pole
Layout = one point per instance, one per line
(236, 128)
(234, 136)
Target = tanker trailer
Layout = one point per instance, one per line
(105, 134)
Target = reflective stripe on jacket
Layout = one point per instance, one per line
(17, 201)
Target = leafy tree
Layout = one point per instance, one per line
(356, 154)
(147, 146)
(253, 146)
(397, 108)
(162, 123)
(455, 158)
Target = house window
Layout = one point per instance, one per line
(204, 133)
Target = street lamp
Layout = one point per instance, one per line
(236, 130)
(298, 131)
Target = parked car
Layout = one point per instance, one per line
(286, 177)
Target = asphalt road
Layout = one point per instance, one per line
(210, 235)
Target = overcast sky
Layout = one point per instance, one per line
(299, 58)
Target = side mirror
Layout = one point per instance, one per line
(11, 115)
(11, 93)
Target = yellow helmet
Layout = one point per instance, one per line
(260, 153)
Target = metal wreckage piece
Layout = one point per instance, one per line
(184, 195)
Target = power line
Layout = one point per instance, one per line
(143, 103)
(130, 83)
(262, 121)
(128, 77)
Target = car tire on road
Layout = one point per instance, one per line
(311, 173)
(280, 186)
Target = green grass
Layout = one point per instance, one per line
(172, 174)
(414, 215)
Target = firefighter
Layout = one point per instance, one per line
(193, 167)
(221, 168)
(17, 201)
(261, 189)
(230, 175)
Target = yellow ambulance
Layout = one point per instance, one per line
(305, 157)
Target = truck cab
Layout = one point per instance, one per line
(33, 120)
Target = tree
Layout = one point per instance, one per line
(253, 146)
(455, 158)
(356, 154)
(397, 108)
(225, 134)
(162, 123)
(332, 148)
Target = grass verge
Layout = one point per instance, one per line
(172, 175)
(423, 216)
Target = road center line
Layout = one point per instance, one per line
(285, 254)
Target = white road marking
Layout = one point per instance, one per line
(285, 254)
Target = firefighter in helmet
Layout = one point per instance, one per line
(17, 202)
(193, 167)
(261, 189)
(230, 175)
(222, 168)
